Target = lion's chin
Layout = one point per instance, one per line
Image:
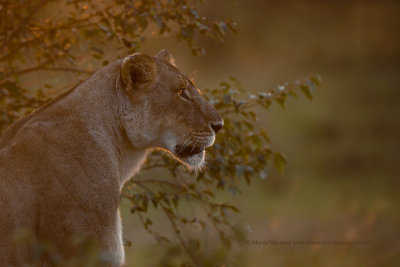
(194, 162)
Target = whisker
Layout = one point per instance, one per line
(203, 134)
(188, 139)
(203, 138)
(194, 145)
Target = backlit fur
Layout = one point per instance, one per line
(63, 166)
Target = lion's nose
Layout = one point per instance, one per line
(216, 126)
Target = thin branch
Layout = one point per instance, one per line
(177, 232)
(157, 181)
(244, 106)
(22, 24)
(59, 27)
(41, 67)
(69, 70)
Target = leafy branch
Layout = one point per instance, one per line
(36, 41)
(239, 154)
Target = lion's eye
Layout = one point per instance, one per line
(183, 94)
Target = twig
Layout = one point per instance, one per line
(183, 243)
(23, 23)
(157, 181)
(41, 67)
(59, 27)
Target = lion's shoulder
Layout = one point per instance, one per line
(12, 131)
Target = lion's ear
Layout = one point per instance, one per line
(138, 68)
(166, 56)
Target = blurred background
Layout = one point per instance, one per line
(342, 178)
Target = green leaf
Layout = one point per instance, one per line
(97, 56)
(126, 43)
(147, 223)
(306, 91)
(225, 240)
(175, 200)
(264, 134)
(256, 140)
(316, 79)
(279, 161)
(248, 125)
(281, 100)
(232, 207)
(127, 243)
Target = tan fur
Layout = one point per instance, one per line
(63, 166)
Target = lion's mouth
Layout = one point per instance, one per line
(187, 151)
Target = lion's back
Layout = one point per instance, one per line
(16, 213)
(20, 179)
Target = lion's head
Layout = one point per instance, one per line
(173, 114)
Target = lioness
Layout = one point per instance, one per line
(63, 166)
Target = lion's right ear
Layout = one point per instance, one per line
(166, 56)
(137, 69)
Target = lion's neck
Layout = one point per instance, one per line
(95, 106)
(129, 157)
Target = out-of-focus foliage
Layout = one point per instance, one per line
(35, 39)
(38, 35)
(241, 152)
